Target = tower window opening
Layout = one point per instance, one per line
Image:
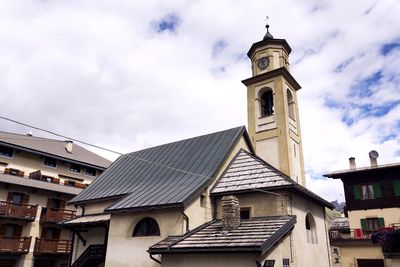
(290, 103)
(311, 231)
(267, 103)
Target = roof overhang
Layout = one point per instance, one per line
(41, 153)
(91, 220)
(266, 42)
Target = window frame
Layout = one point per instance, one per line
(48, 165)
(73, 170)
(267, 107)
(5, 155)
(90, 174)
(142, 228)
(311, 229)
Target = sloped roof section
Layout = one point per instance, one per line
(247, 172)
(53, 148)
(163, 176)
(253, 235)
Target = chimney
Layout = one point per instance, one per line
(352, 162)
(373, 156)
(30, 133)
(230, 213)
(69, 146)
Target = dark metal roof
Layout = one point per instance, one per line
(53, 148)
(169, 175)
(247, 172)
(349, 172)
(253, 235)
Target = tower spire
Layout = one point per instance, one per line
(267, 35)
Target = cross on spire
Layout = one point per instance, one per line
(267, 35)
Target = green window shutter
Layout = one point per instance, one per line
(381, 222)
(397, 188)
(364, 225)
(357, 191)
(377, 190)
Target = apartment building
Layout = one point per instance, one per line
(372, 205)
(37, 178)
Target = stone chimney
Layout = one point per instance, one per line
(69, 146)
(230, 213)
(373, 156)
(352, 162)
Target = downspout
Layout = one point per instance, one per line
(154, 259)
(186, 218)
(327, 240)
(72, 249)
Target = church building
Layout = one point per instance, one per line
(231, 198)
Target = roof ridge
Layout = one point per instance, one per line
(32, 136)
(187, 139)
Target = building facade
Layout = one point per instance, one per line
(38, 176)
(372, 205)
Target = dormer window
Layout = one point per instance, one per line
(267, 103)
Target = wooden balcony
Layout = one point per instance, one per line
(14, 245)
(52, 246)
(18, 211)
(51, 215)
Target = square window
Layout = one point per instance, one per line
(244, 213)
(372, 224)
(6, 151)
(269, 263)
(286, 262)
(50, 162)
(367, 191)
(74, 167)
(90, 171)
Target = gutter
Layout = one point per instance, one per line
(186, 218)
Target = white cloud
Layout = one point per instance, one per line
(97, 71)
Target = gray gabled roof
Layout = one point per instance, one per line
(247, 172)
(253, 235)
(53, 148)
(169, 175)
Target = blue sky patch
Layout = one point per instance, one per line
(219, 47)
(364, 87)
(389, 47)
(168, 23)
(343, 65)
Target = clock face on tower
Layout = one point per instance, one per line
(263, 63)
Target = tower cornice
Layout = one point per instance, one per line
(273, 73)
(266, 42)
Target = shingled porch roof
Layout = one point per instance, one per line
(255, 235)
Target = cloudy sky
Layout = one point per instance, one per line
(128, 74)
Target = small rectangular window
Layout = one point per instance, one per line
(202, 201)
(6, 151)
(50, 162)
(90, 172)
(74, 167)
(269, 263)
(286, 263)
(244, 213)
(367, 191)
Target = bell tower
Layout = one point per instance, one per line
(272, 107)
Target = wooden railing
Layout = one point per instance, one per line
(20, 211)
(19, 245)
(93, 255)
(57, 215)
(52, 246)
